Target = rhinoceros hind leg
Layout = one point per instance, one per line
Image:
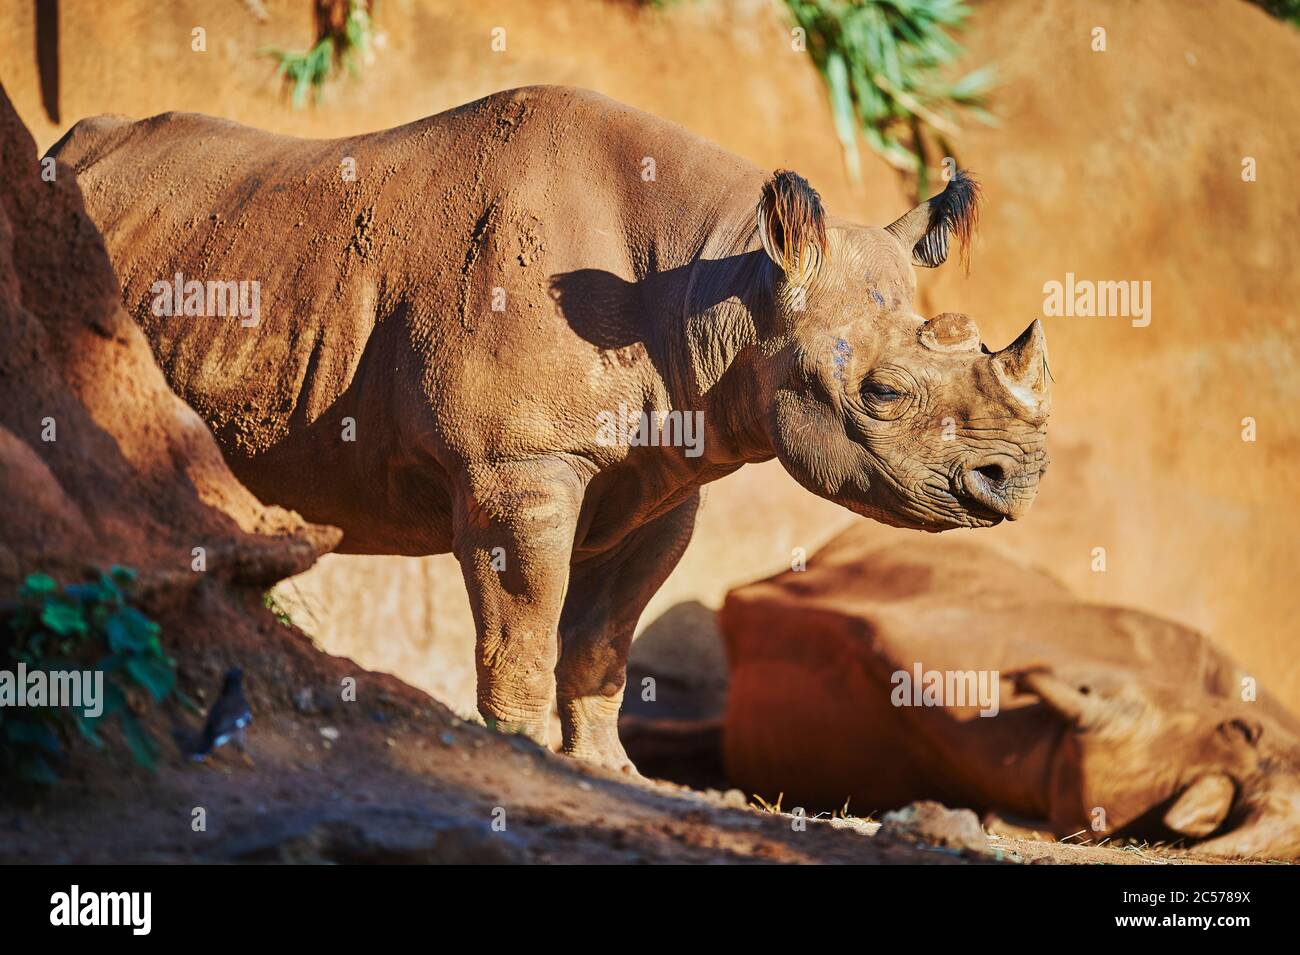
(605, 600)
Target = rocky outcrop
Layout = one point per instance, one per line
(99, 462)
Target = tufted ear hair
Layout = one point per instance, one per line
(792, 226)
(924, 232)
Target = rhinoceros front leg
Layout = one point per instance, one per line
(606, 597)
(514, 532)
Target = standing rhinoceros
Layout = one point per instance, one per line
(455, 320)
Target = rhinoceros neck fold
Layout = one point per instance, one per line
(708, 332)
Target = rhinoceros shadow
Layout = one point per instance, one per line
(615, 313)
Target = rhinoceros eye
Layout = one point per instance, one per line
(880, 391)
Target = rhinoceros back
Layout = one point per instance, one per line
(422, 222)
(252, 261)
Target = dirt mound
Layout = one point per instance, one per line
(101, 463)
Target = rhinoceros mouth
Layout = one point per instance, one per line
(973, 513)
(935, 508)
(981, 514)
(997, 488)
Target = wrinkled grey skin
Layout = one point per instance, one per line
(476, 429)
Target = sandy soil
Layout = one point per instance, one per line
(403, 780)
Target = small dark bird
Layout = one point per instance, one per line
(226, 720)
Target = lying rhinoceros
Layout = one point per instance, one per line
(865, 677)
(527, 330)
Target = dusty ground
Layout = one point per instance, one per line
(406, 781)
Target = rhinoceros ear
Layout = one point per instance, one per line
(925, 231)
(792, 226)
(1202, 806)
(1077, 705)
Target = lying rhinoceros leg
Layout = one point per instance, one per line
(606, 597)
(513, 536)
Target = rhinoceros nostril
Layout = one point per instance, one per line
(993, 473)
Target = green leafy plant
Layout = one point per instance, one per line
(281, 613)
(336, 46)
(885, 63)
(87, 626)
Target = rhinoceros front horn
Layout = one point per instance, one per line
(1022, 369)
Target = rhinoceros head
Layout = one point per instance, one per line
(1216, 772)
(911, 422)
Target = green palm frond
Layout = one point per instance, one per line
(886, 64)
